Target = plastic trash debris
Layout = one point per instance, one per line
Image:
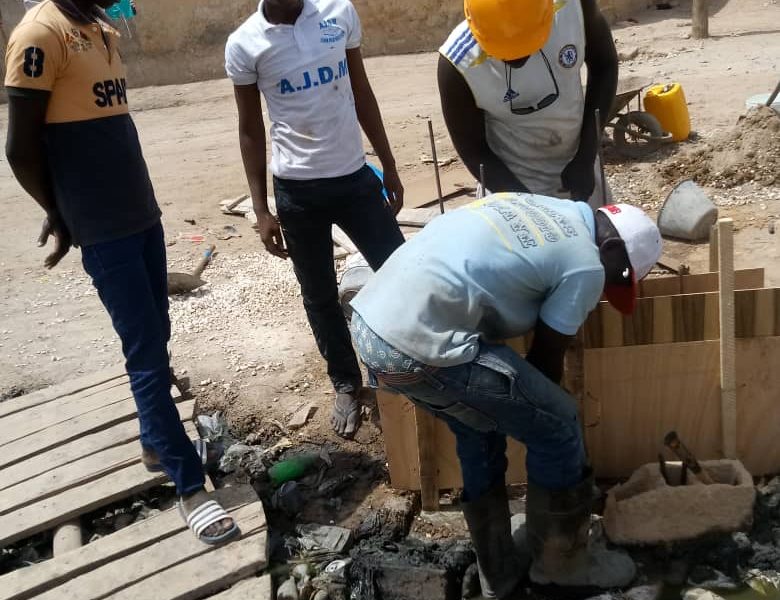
(288, 499)
(292, 468)
(214, 428)
(288, 590)
(324, 537)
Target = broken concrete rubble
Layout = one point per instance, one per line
(645, 510)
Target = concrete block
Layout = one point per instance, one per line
(645, 510)
(410, 582)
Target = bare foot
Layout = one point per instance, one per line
(345, 418)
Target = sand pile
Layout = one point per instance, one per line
(748, 153)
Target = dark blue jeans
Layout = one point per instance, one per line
(130, 275)
(307, 212)
(496, 395)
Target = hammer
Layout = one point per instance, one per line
(673, 442)
(183, 283)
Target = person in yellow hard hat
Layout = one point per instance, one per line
(512, 97)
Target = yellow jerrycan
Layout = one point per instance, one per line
(666, 102)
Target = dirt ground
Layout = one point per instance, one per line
(243, 341)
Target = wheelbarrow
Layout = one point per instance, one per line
(636, 133)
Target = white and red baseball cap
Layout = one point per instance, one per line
(643, 246)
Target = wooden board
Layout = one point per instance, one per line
(682, 318)
(30, 582)
(156, 571)
(746, 279)
(635, 395)
(88, 383)
(257, 588)
(50, 512)
(71, 429)
(38, 418)
(205, 574)
(76, 473)
(81, 447)
(399, 428)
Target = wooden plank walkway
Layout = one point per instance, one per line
(74, 448)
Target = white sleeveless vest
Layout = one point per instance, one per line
(535, 147)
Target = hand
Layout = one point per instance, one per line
(579, 178)
(53, 226)
(395, 190)
(271, 233)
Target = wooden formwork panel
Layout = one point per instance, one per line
(642, 376)
(635, 395)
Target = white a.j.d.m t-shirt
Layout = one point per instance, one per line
(302, 72)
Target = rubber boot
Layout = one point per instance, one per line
(558, 528)
(488, 518)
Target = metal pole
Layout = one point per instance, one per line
(436, 166)
(701, 19)
(773, 95)
(597, 116)
(482, 180)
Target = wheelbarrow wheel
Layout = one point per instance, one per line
(637, 134)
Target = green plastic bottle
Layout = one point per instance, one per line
(291, 469)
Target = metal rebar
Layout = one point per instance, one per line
(436, 166)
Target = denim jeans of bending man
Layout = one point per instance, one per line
(131, 278)
(498, 394)
(307, 212)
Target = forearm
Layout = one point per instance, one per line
(551, 366)
(256, 167)
(370, 118)
(31, 170)
(498, 177)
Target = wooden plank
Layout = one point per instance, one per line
(67, 388)
(28, 583)
(758, 417)
(206, 574)
(637, 394)
(74, 474)
(257, 588)
(701, 283)
(612, 327)
(417, 217)
(28, 422)
(67, 431)
(764, 314)
(728, 364)
(151, 565)
(399, 430)
(714, 253)
(79, 448)
(50, 512)
(425, 427)
(682, 318)
(663, 324)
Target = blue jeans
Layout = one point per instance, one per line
(497, 394)
(307, 212)
(130, 275)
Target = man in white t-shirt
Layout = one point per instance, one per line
(304, 57)
(426, 326)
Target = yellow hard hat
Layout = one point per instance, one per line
(510, 29)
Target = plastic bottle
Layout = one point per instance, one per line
(290, 469)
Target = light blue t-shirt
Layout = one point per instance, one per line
(488, 270)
